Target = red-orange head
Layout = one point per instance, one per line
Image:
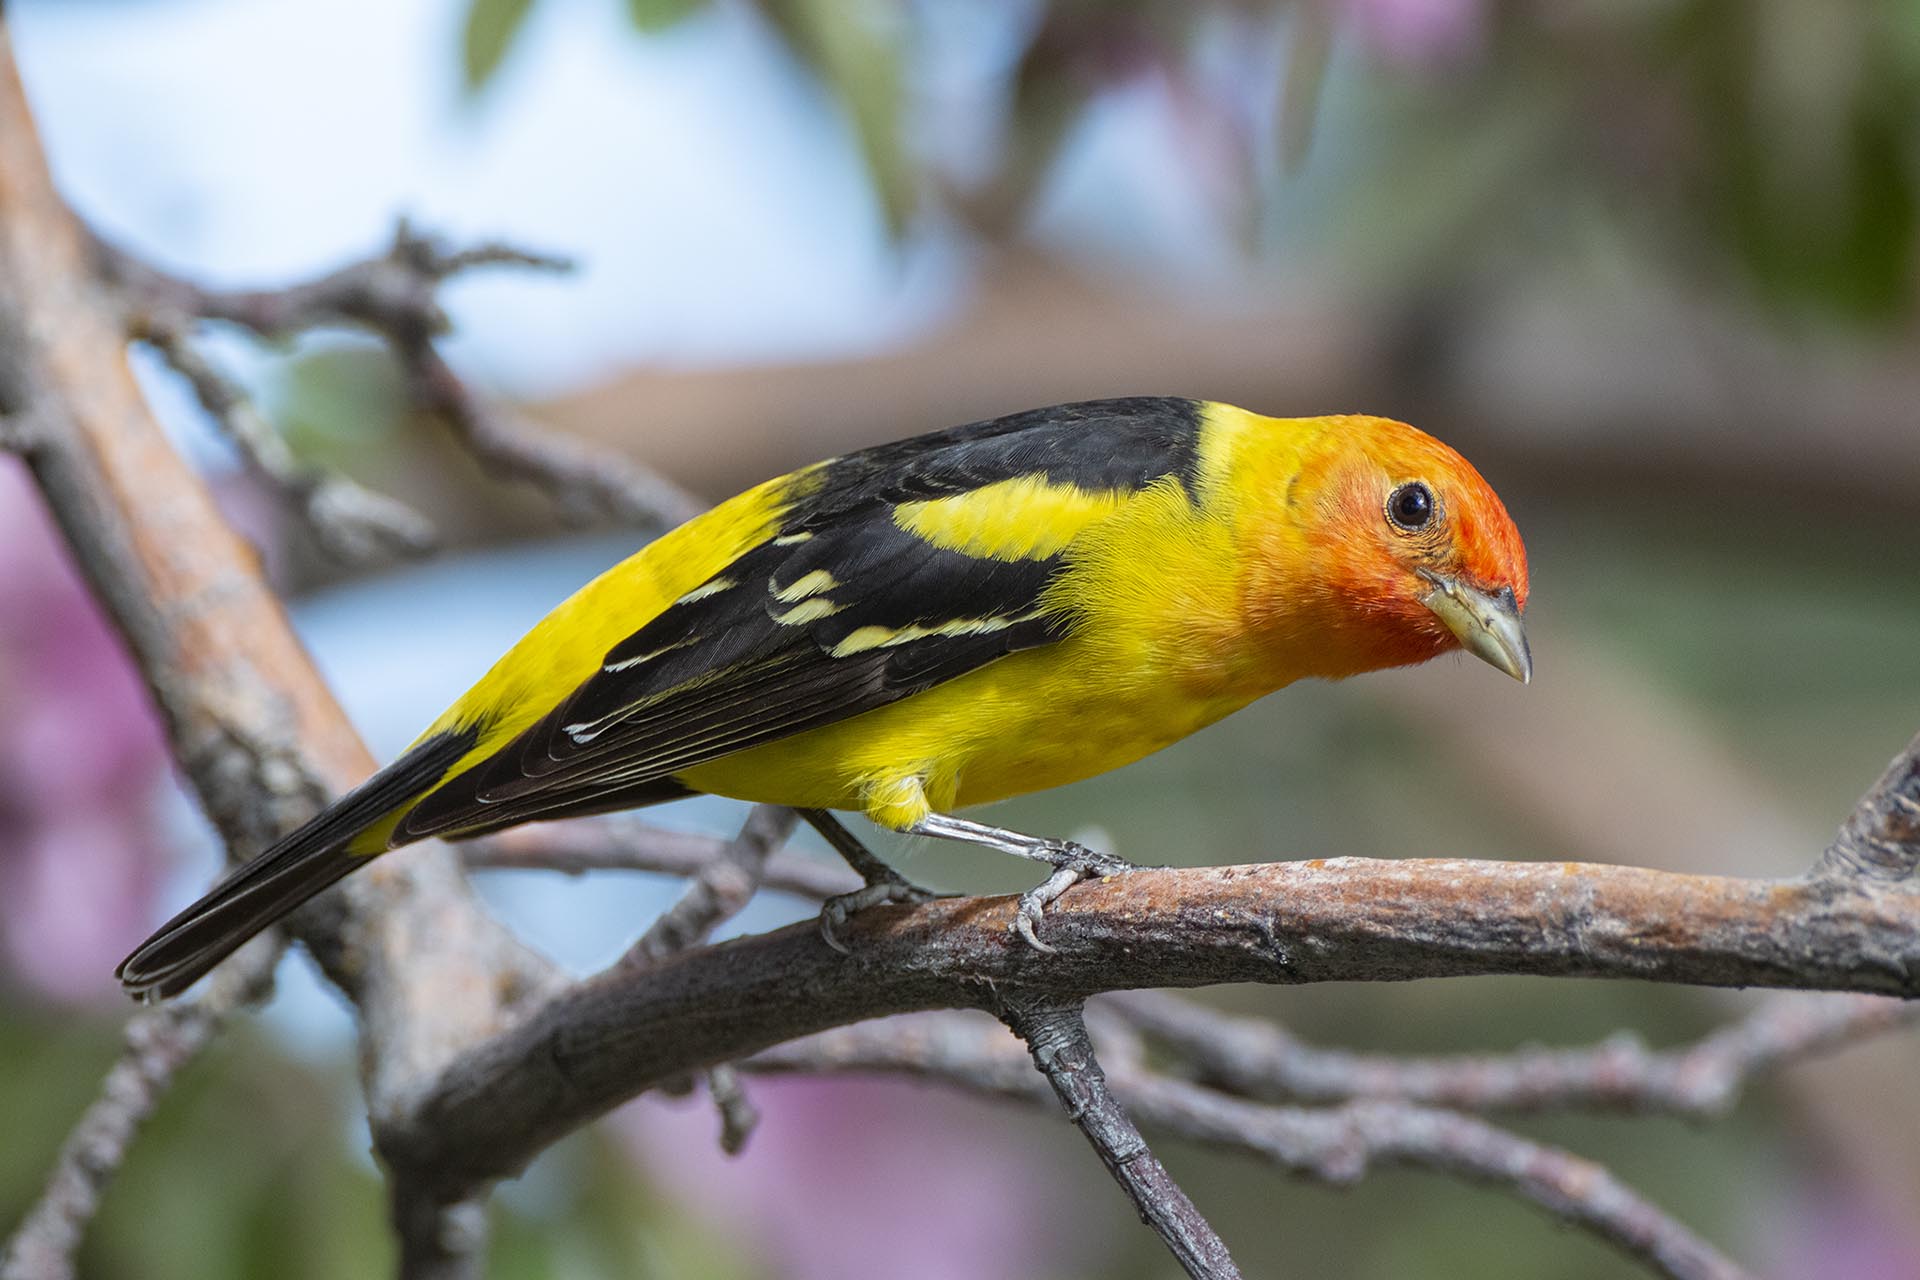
(1387, 548)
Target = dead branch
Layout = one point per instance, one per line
(626, 843)
(395, 295)
(1344, 919)
(350, 522)
(1254, 1058)
(1056, 1036)
(477, 1056)
(1335, 1146)
(720, 888)
(583, 480)
(396, 291)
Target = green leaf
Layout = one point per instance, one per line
(1308, 52)
(652, 16)
(856, 46)
(1050, 93)
(491, 27)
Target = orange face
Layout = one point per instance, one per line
(1412, 554)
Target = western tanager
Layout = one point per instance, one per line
(938, 623)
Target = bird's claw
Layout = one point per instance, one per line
(1073, 863)
(841, 908)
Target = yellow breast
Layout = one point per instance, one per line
(1154, 658)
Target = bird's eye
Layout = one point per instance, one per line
(1410, 506)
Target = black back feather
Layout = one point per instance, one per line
(721, 672)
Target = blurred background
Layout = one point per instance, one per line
(1651, 265)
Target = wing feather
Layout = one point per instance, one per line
(843, 609)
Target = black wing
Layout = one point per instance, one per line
(841, 612)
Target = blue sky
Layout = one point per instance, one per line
(708, 189)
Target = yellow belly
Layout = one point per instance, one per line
(1033, 720)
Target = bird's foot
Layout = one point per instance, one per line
(1072, 863)
(888, 887)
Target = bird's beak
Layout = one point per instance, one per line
(1488, 625)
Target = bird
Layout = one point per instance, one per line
(933, 624)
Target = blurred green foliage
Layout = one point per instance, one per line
(490, 29)
(1775, 139)
(649, 16)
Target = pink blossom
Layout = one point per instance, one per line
(1831, 1229)
(1420, 33)
(846, 1179)
(81, 759)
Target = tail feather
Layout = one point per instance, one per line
(284, 876)
(212, 929)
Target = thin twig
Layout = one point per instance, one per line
(1336, 1145)
(1056, 1036)
(626, 843)
(394, 291)
(350, 522)
(584, 482)
(159, 1043)
(438, 1241)
(395, 294)
(1255, 1058)
(719, 890)
(738, 1116)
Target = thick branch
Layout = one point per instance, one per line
(1343, 919)
(1253, 1057)
(1056, 1036)
(252, 727)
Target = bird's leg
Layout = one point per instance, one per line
(884, 884)
(1071, 863)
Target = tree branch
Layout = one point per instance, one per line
(350, 522)
(720, 888)
(159, 1043)
(631, 844)
(395, 294)
(1345, 919)
(396, 291)
(1335, 1146)
(254, 731)
(1056, 1036)
(582, 480)
(1879, 843)
(1254, 1058)
(475, 1056)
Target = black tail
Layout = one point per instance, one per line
(283, 877)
